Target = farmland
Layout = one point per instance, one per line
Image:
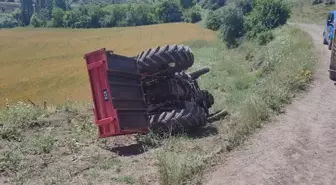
(48, 65)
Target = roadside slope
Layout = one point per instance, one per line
(299, 148)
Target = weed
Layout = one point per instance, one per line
(41, 144)
(124, 179)
(9, 162)
(107, 163)
(9, 133)
(21, 114)
(178, 162)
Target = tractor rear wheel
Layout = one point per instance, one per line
(179, 120)
(175, 57)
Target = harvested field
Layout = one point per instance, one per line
(48, 65)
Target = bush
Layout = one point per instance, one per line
(265, 37)
(35, 21)
(213, 20)
(8, 21)
(266, 14)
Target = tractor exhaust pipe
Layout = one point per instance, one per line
(196, 74)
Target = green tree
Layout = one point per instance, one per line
(95, 13)
(233, 25)
(212, 4)
(57, 17)
(70, 18)
(8, 21)
(192, 15)
(26, 11)
(16, 14)
(266, 15)
(213, 20)
(35, 21)
(245, 5)
(187, 3)
(59, 4)
(169, 11)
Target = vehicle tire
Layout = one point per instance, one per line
(179, 120)
(175, 57)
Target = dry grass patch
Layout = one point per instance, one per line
(48, 65)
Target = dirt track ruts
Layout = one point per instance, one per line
(300, 147)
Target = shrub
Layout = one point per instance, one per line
(213, 20)
(35, 21)
(265, 37)
(8, 21)
(266, 14)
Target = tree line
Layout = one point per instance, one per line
(59, 13)
(248, 19)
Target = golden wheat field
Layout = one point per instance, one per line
(48, 65)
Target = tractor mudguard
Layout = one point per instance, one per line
(118, 99)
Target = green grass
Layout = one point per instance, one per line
(253, 83)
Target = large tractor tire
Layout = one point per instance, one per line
(179, 120)
(175, 57)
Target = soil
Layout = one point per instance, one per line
(299, 148)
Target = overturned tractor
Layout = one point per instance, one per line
(151, 91)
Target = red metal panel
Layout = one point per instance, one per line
(105, 115)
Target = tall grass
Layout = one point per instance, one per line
(305, 12)
(253, 83)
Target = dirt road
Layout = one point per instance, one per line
(300, 148)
